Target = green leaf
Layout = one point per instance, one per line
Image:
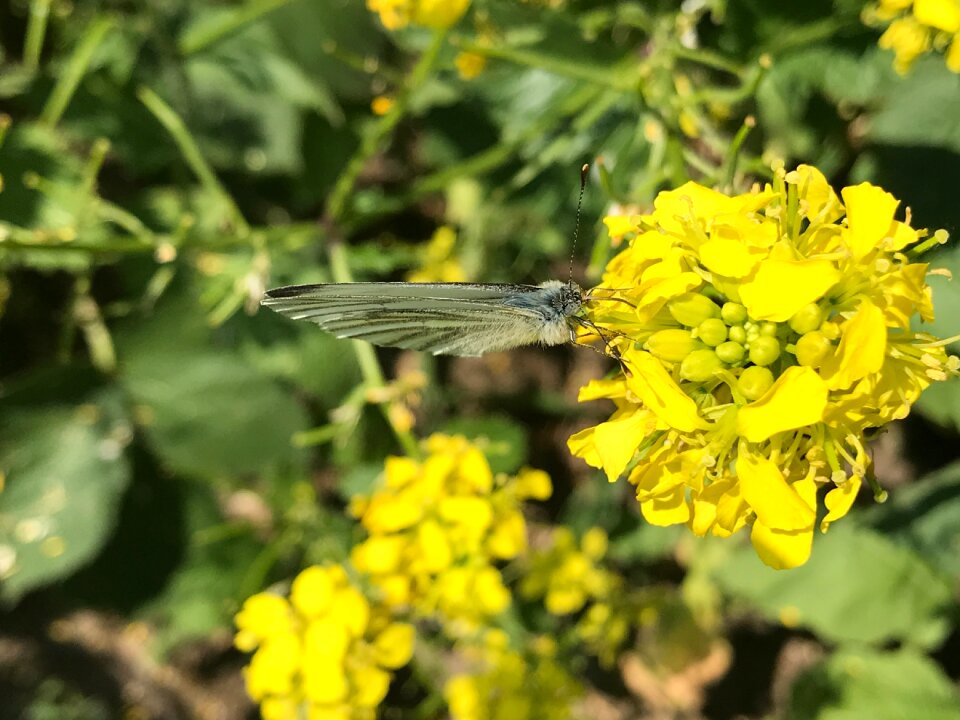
(204, 409)
(502, 440)
(923, 516)
(65, 475)
(858, 586)
(851, 685)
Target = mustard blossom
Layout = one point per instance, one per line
(916, 27)
(436, 14)
(324, 652)
(567, 575)
(764, 335)
(507, 683)
(438, 527)
(438, 260)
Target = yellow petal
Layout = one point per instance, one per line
(776, 502)
(620, 225)
(726, 256)
(798, 398)
(379, 554)
(312, 591)
(941, 14)
(781, 287)
(863, 346)
(660, 394)
(370, 686)
(782, 549)
(816, 191)
(583, 446)
(839, 501)
(616, 440)
(668, 509)
(870, 212)
(324, 680)
(393, 647)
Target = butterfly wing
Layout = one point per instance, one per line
(441, 318)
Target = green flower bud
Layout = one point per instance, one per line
(691, 309)
(700, 365)
(672, 345)
(806, 319)
(730, 352)
(764, 350)
(769, 329)
(737, 334)
(753, 332)
(812, 349)
(712, 331)
(754, 382)
(733, 313)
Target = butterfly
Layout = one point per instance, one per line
(441, 318)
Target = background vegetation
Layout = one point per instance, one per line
(169, 450)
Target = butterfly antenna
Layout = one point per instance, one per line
(576, 225)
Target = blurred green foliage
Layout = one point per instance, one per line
(166, 451)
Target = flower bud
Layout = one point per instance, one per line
(672, 345)
(733, 313)
(764, 350)
(690, 309)
(812, 349)
(700, 365)
(712, 331)
(754, 381)
(730, 352)
(806, 319)
(737, 334)
(769, 329)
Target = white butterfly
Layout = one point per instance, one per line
(441, 318)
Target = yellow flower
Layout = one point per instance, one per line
(438, 260)
(507, 683)
(470, 64)
(324, 652)
(381, 104)
(568, 576)
(765, 334)
(437, 14)
(436, 528)
(915, 27)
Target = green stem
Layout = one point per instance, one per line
(372, 141)
(708, 58)
(204, 35)
(576, 71)
(733, 153)
(191, 154)
(36, 30)
(74, 71)
(366, 357)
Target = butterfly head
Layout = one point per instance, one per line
(569, 300)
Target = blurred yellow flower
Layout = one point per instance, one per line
(766, 333)
(470, 64)
(437, 528)
(509, 684)
(438, 260)
(915, 27)
(566, 575)
(381, 104)
(437, 14)
(322, 652)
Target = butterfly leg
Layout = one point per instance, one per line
(611, 350)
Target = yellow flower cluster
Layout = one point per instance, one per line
(437, 14)
(915, 27)
(567, 576)
(764, 335)
(439, 261)
(512, 685)
(322, 654)
(437, 528)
